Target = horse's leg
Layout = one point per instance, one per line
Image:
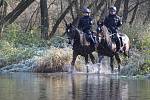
(86, 62)
(111, 63)
(100, 61)
(128, 54)
(73, 60)
(100, 58)
(118, 61)
(92, 58)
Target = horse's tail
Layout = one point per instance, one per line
(125, 52)
(126, 48)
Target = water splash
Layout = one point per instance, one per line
(102, 68)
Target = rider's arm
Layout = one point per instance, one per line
(106, 21)
(80, 24)
(119, 23)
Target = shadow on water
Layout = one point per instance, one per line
(62, 86)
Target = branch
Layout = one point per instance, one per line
(137, 4)
(60, 19)
(12, 16)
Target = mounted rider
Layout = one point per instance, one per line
(85, 24)
(113, 22)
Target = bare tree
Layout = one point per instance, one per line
(3, 11)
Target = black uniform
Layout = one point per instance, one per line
(85, 24)
(112, 22)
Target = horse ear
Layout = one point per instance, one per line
(100, 23)
(66, 24)
(70, 24)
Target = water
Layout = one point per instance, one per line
(62, 86)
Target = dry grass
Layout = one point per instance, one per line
(57, 60)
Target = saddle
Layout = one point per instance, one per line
(86, 37)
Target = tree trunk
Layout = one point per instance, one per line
(98, 7)
(81, 4)
(1, 3)
(134, 13)
(147, 18)
(103, 13)
(44, 19)
(71, 11)
(3, 11)
(109, 3)
(118, 5)
(125, 11)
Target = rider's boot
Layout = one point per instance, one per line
(121, 42)
(94, 41)
(118, 44)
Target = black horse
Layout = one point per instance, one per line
(107, 47)
(81, 46)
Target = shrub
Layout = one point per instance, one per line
(139, 35)
(12, 54)
(58, 60)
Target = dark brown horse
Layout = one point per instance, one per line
(106, 46)
(81, 46)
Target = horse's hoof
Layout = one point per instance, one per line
(98, 72)
(87, 71)
(69, 71)
(112, 71)
(87, 68)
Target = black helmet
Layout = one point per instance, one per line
(86, 10)
(112, 9)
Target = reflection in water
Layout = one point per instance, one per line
(42, 90)
(29, 86)
(99, 88)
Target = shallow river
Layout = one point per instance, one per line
(32, 86)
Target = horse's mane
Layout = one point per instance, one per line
(106, 33)
(82, 36)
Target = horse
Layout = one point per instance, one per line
(107, 47)
(81, 46)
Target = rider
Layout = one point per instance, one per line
(85, 24)
(113, 22)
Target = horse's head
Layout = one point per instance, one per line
(74, 33)
(70, 31)
(100, 30)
